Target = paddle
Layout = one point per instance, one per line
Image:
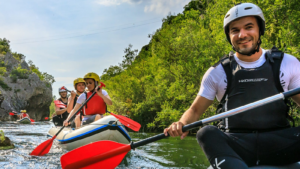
(12, 114)
(108, 154)
(44, 147)
(46, 118)
(59, 103)
(133, 125)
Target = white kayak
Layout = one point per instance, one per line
(24, 120)
(106, 128)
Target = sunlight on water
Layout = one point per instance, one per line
(166, 153)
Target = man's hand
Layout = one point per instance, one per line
(175, 130)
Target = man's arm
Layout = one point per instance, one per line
(296, 99)
(59, 111)
(193, 114)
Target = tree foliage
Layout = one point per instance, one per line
(159, 84)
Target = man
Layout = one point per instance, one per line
(261, 136)
(61, 114)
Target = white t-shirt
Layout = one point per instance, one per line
(214, 82)
(81, 99)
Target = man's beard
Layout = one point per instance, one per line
(247, 51)
(63, 97)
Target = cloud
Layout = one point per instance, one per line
(164, 6)
(117, 2)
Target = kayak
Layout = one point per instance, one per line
(290, 166)
(106, 128)
(24, 120)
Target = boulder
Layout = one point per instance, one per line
(30, 94)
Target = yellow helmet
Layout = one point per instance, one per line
(23, 111)
(78, 80)
(92, 75)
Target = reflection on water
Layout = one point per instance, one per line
(166, 153)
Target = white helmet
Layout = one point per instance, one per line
(62, 89)
(241, 10)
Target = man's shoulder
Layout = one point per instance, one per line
(289, 58)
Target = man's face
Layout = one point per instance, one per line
(244, 34)
(63, 94)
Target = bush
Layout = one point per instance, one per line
(2, 70)
(19, 73)
(4, 85)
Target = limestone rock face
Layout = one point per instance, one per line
(30, 94)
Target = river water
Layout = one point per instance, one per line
(165, 153)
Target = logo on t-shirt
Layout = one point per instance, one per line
(253, 80)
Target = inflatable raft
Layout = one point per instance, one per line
(106, 128)
(24, 120)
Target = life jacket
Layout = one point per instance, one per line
(65, 115)
(245, 86)
(23, 115)
(95, 105)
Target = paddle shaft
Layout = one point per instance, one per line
(222, 115)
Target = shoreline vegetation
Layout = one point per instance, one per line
(5, 142)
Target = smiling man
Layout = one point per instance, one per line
(261, 136)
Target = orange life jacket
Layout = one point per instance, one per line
(94, 106)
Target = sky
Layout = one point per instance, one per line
(70, 38)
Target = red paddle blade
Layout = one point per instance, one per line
(101, 154)
(46, 118)
(133, 125)
(60, 105)
(32, 120)
(12, 114)
(43, 148)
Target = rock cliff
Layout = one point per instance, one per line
(22, 89)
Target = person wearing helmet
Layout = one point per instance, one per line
(96, 106)
(79, 85)
(61, 114)
(23, 114)
(261, 136)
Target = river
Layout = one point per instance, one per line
(165, 153)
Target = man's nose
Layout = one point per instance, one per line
(242, 33)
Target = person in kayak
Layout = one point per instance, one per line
(96, 106)
(23, 114)
(261, 136)
(79, 85)
(61, 114)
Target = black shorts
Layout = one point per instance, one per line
(280, 147)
